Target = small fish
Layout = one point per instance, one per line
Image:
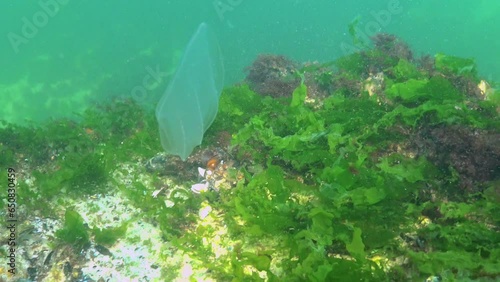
(47, 259)
(103, 250)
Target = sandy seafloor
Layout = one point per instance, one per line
(141, 255)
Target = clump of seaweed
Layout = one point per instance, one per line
(392, 46)
(427, 64)
(273, 75)
(318, 79)
(344, 83)
(389, 138)
(461, 72)
(387, 52)
(466, 85)
(473, 153)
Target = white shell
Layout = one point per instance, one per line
(199, 187)
(204, 212)
(202, 171)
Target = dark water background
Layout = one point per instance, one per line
(60, 56)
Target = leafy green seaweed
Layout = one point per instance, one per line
(109, 236)
(334, 190)
(455, 65)
(74, 231)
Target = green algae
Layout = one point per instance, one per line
(334, 192)
(74, 232)
(109, 236)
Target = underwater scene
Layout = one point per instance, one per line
(236, 140)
